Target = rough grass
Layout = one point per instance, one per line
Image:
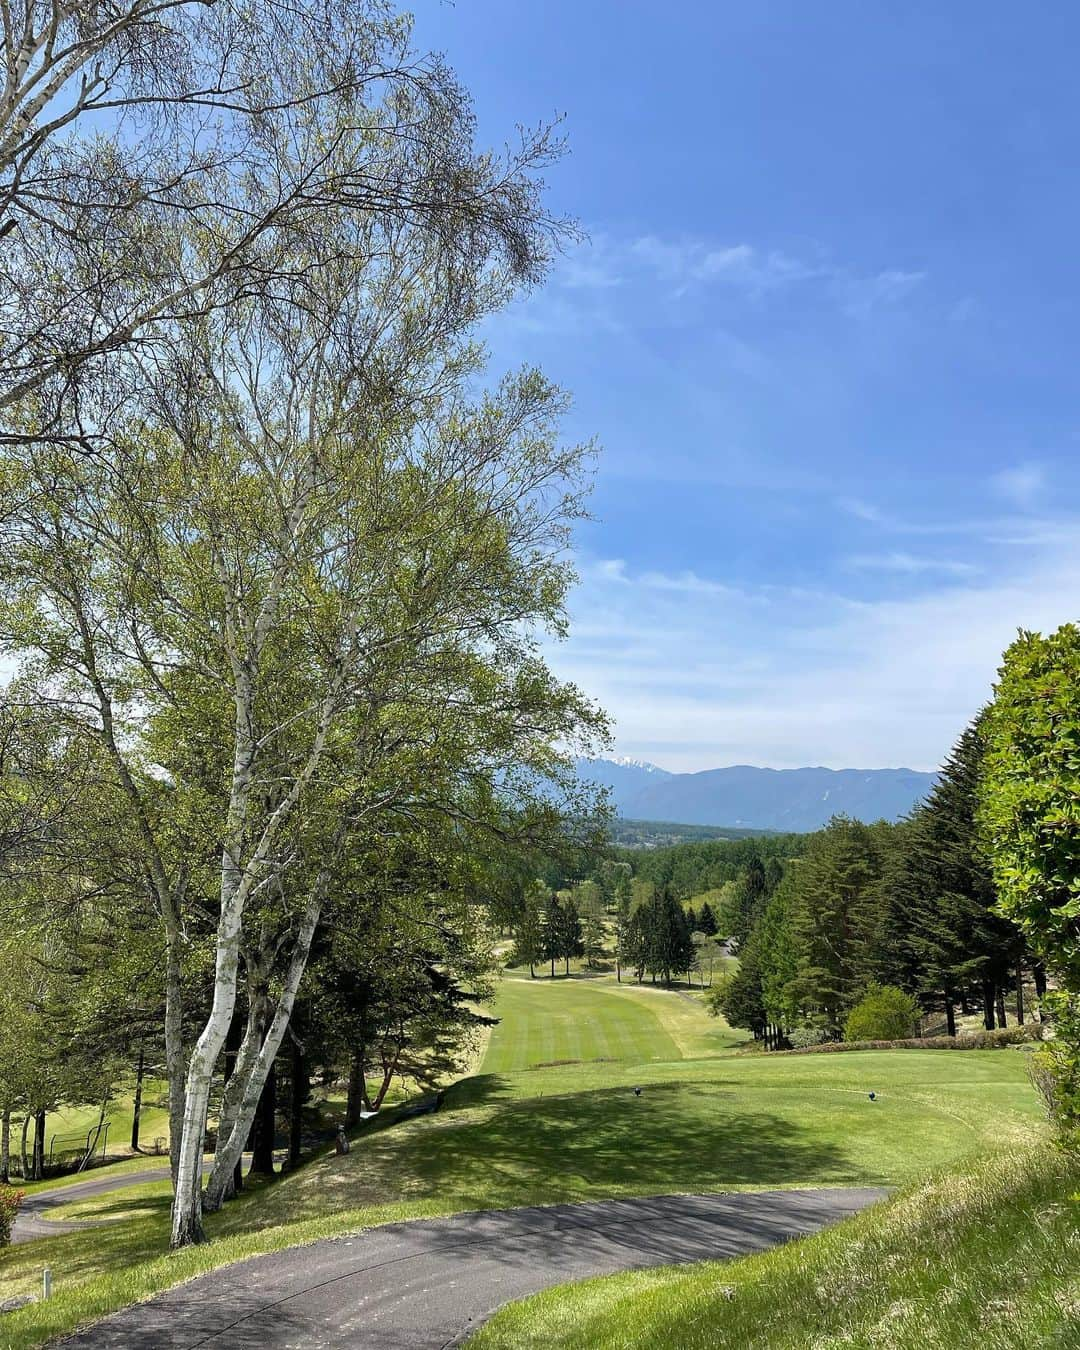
(562, 1133)
(987, 1256)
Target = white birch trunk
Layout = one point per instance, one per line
(187, 1203)
(250, 1084)
(174, 1052)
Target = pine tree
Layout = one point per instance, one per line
(706, 920)
(778, 958)
(529, 944)
(669, 946)
(834, 912)
(590, 903)
(747, 902)
(738, 997)
(943, 895)
(570, 935)
(551, 931)
(623, 935)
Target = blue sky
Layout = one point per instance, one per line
(824, 328)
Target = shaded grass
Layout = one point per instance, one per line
(987, 1256)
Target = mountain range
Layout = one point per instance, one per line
(753, 798)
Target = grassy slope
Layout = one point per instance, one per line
(69, 1124)
(576, 1131)
(985, 1257)
(544, 1021)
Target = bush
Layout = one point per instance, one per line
(804, 1037)
(884, 1014)
(1001, 1039)
(10, 1200)
(1055, 1068)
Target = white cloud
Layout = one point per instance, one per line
(706, 674)
(605, 262)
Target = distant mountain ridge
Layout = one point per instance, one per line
(746, 797)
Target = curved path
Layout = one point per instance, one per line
(429, 1283)
(29, 1222)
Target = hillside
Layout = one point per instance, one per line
(745, 797)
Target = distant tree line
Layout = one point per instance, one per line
(911, 906)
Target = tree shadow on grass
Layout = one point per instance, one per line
(680, 1136)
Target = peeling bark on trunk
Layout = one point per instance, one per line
(259, 1052)
(187, 1210)
(174, 1051)
(5, 1144)
(232, 1045)
(24, 1161)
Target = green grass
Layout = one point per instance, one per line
(986, 1257)
(547, 1021)
(69, 1125)
(514, 1136)
(139, 1162)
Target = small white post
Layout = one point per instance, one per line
(46, 1283)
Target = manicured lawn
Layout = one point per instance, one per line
(67, 1127)
(572, 1131)
(983, 1258)
(546, 1021)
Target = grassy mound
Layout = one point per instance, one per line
(987, 1256)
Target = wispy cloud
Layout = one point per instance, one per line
(1022, 486)
(606, 262)
(909, 564)
(889, 287)
(707, 673)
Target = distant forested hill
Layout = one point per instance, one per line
(660, 833)
(746, 797)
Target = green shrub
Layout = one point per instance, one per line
(804, 1037)
(1001, 1039)
(884, 1014)
(1055, 1067)
(10, 1199)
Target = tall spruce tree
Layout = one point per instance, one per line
(943, 894)
(623, 933)
(738, 997)
(778, 958)
(570, 936)
(589, 899)
(747, 901)
(551, 931)
(529, 939)
(835, 915)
